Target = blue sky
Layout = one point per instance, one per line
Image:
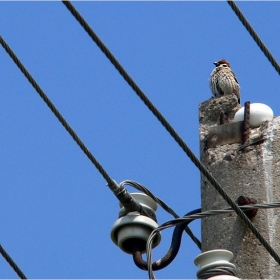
(56, 211)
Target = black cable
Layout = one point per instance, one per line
(56, 112)
(12, 263)
(170, 129)
(172, 252)
(254, 35)
(120, 192)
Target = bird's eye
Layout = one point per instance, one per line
(225, 65)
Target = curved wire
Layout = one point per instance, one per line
(201, 215)
(255, 36)
(13, 265)
(172, 252)
(171, 130)
(162, 204)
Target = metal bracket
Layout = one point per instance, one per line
(229, 133)
(246, 123)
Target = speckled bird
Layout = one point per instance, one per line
(223, 80)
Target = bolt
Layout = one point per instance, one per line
(214, 138)
(243, 200)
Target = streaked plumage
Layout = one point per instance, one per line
(223, 80)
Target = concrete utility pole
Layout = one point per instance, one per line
(252, 172)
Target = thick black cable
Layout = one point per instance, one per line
(172, 252)
(56, 112)
(12, 263)
(123, 196)
(255, 36)
(170, 129)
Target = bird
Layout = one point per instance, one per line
(223, 81)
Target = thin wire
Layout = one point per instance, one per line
(209, 213)
(163, 205)
(13, 265)
(201, 215)
(56, 112)
(255, 36)
(170, 129)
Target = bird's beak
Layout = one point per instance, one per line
(216, 63)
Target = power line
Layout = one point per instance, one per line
(255, 36)
(10, 261)
(61, 119)
(210, 213)
(170, 129)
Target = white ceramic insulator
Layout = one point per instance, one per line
(215, 258)
(223, 277)
(258, 113)
(134, 226)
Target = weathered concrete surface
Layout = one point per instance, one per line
(252, 172)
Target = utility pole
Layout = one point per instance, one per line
(253, 172)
